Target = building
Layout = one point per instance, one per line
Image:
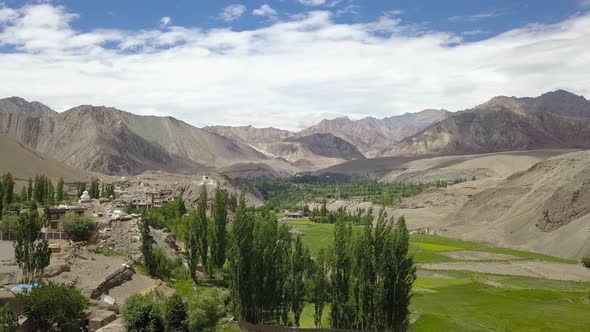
(56, 214)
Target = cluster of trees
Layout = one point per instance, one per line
(96, 189)
(77, 227)
(266, 269)
(206, 239)
(199, 311)
(6, 192)
(370, 277)
(203, 232)
(322, 215)
(365, 277)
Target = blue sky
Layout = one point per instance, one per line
(290, 63)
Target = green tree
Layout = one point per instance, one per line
(1, 198)
(400, 277)
(175, 314)
(193, 244)
(31, 251)
(203, 226)
(54, 307)
(81, 188)
(142, 314)
(8, 319)
(320, 286)
(78, 227)
(8, 189)
(30, 189)
(60, 190)
(341, 314)
(218, 245)
(300, 257)
(146, 247)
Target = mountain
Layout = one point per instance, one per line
(24, 162)
(328, 145)
(251, 135)
(370, 135)
(556, 119)
(112, 141)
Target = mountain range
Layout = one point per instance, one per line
(112, 141)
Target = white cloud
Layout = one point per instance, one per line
(289, 74)
(585, 3)
(312, 2)
(265, 10)
(474, 17)
(232, 12)
(164, 21)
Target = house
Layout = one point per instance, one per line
(56, 214)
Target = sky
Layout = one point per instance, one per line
(290, 63)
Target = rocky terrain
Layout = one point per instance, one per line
(556, 119)
(371, 135)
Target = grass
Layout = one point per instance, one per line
(425, 248)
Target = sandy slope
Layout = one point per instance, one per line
(24, 162)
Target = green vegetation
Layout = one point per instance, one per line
(8, 319)
(586, 262)
(290, 192)
(468, 301)
(31, 250)
(143, 313)
(54, 307)
(78, 227)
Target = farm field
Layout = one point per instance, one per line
(462, 300)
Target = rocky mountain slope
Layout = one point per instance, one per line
(251, 135)
(111, 141)
(370, 135)
(556, 119)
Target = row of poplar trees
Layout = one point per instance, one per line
(41, 190)
(365, 277)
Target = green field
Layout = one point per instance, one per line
(468, 301)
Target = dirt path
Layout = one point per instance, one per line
(538, 269)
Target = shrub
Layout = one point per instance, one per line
(175, 314)
(206, 308)
(142, 313)
(8, 319)
(78, 228)
(586, 262)
(54, 307)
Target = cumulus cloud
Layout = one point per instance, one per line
(265, 10)
(289, 74)
(232, 12)
(164, 21)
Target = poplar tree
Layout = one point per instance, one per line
(30, 190)
(60, 190)
(341, 313)
(193, 244)
(8, 188)
(203, 226)
(298, 285)
(218, 245)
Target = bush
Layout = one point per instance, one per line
(142, 313)
(586, 262)
(8, 224)
(8, 319)
(175, 314)
(54, 307)
(78, 228)
(206, 308)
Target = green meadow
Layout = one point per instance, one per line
(469, 301)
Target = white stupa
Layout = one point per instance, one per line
(85, 197)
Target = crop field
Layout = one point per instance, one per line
(470, 301)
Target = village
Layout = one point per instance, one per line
(103, 266)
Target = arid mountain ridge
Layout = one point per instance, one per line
(112, 141)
